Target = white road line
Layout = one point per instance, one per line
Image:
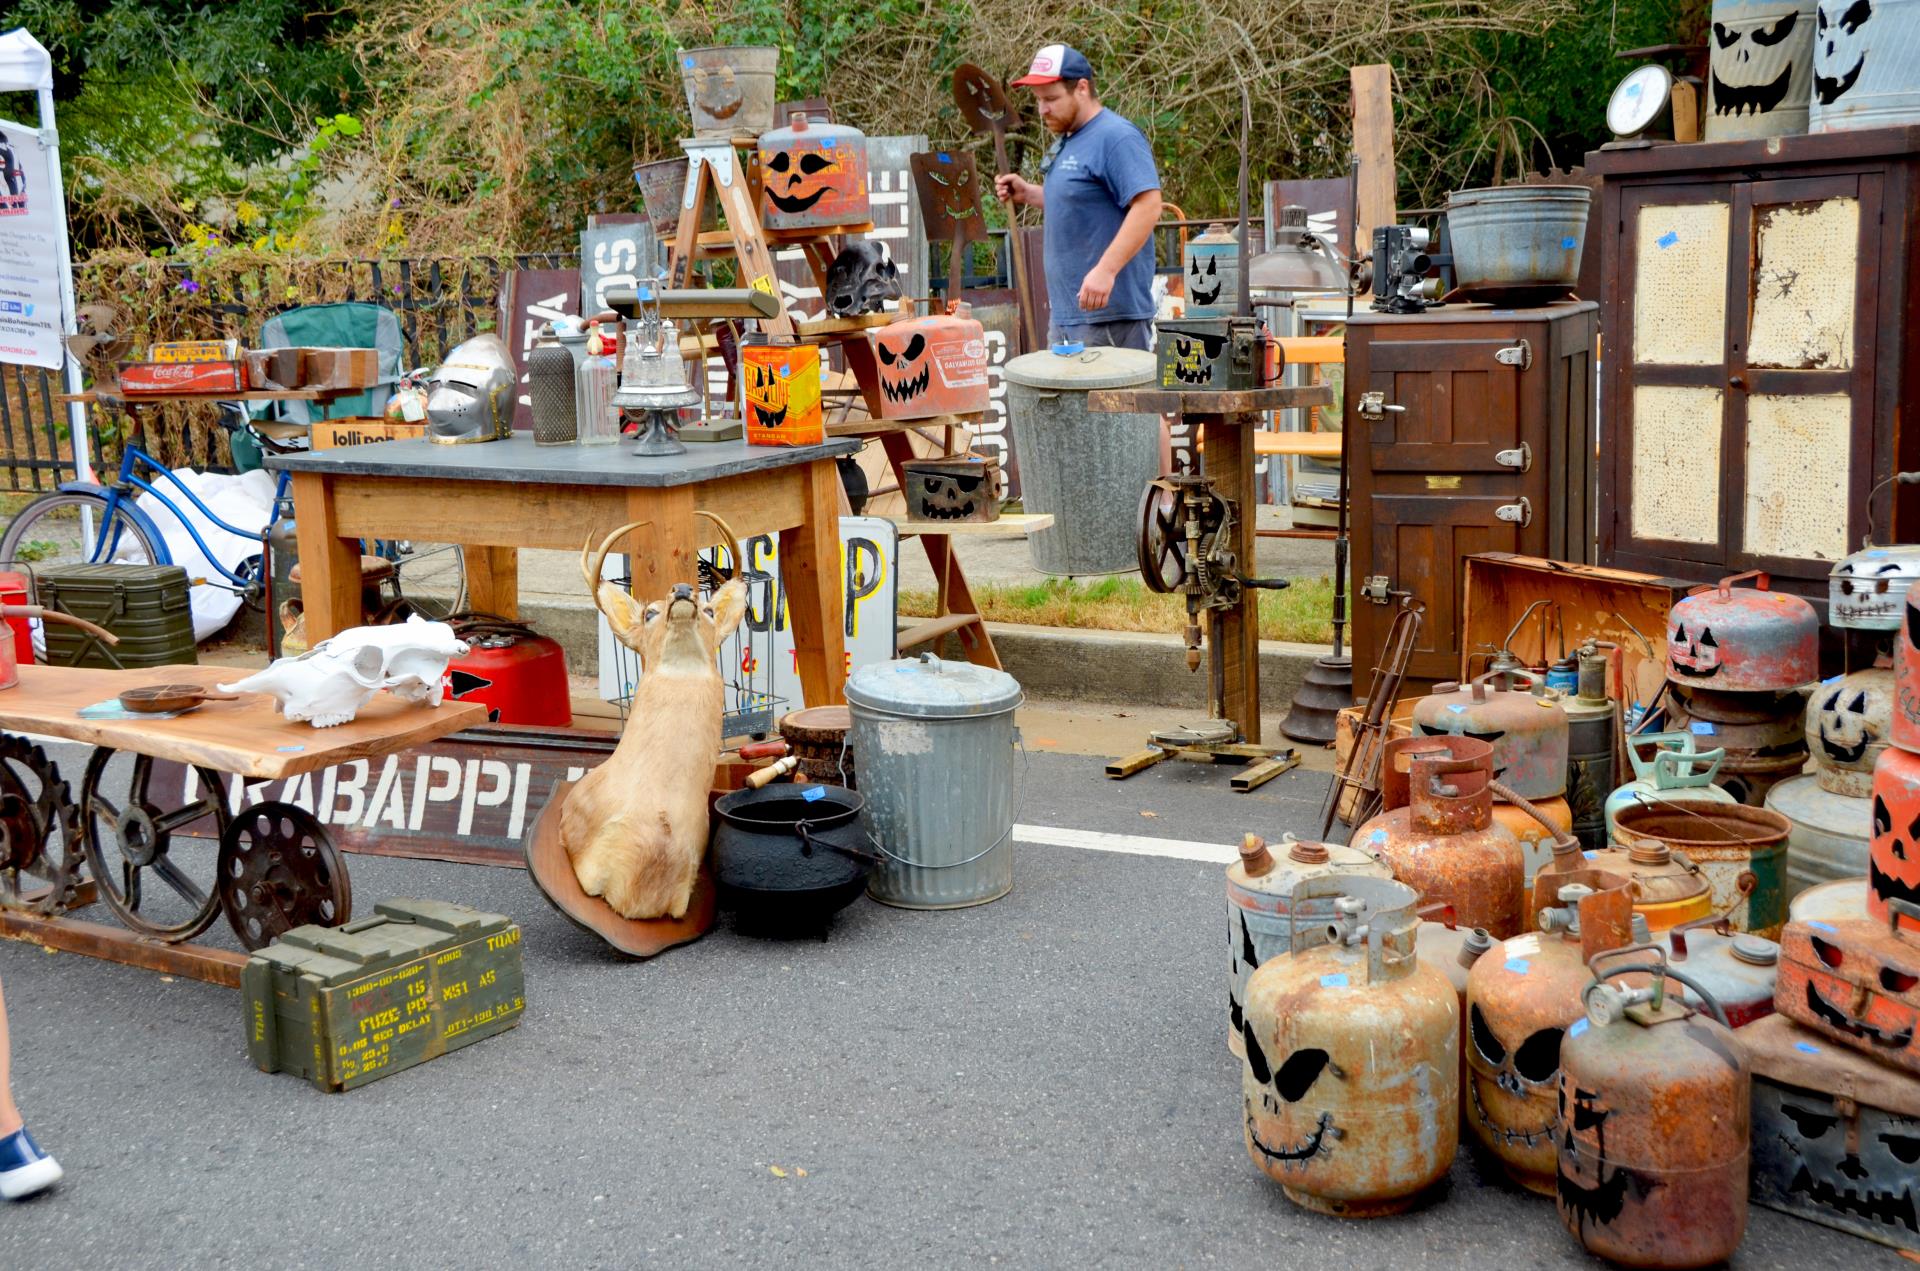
(1127, 844)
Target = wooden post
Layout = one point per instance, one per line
(810, 569)
(1373, 147)
(329, 564)
(1229, 459)
(493, 580)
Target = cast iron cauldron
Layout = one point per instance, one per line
(789, 857)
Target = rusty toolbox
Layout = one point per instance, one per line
(1836, 1136)
(343, 1006)
(147, 606)
(1471, 429)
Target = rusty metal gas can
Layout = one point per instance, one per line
(1737, 969)
(1857, 980)
(1655, 1101)
(1849, 723)
(1893, 850)
(813, 175)
(1521, 997)
(1536, 836)
(1743, 639)
(1528, 731)
(1260, 912)
(935, 364)
(1742, 852)
(1667, 890)
(1438, 834)
(1350, 1082)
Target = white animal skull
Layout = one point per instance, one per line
(328, 684)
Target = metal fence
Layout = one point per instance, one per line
(438, 304)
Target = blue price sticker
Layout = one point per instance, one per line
(1667, 239)
(814, 794)
(1519, 966)
(945, 157)
(1333, 981)
(1824, 926)
(1590, 854)
(1702, 728)
(1569, 243)
(1808, 1047)
(1579, 1027)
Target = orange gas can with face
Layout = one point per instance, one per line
(935, 364)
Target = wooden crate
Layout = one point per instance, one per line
(343, 1006)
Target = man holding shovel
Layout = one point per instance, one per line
(1101, 193)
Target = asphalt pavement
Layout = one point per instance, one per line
(1042, 1081)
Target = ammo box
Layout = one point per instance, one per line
(145, 605)
(342, 1006)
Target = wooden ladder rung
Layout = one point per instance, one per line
(932, 629)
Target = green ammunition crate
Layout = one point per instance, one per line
(145, 605)
(342, 1006)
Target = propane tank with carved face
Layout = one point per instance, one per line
(1262, 911)
(1848, 723)
(1438, 834)
(1528, 731)
(1655, 1100)
(1521, 997)
(1868, 590)
(1743, 639)
(1352, 1063)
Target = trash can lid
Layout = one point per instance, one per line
(929, 687)
(1088, 369)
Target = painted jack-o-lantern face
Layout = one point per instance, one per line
(1856, 981)
(1866, 591)
(1595, 1200)
(1511, 1082)
(766, 393)
(952, 496)
(1204, 283)
(1693, 652)
(1276, 1092)
(1839, 48)
(1193, 357)
(1893, 851)
(796, 180)
(1851, 1159)
(1761, 55)
(906, 367)
(1847, 723)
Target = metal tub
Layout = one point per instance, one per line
(730, 89)
(936, 742)
(1518, 235)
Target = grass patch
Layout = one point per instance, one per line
(1302, 613)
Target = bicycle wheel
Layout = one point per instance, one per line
(430, 577)
(48, 532)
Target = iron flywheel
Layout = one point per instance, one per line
(129, 838)
(39, 831)
(279, 869)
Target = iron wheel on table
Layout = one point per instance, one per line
(127, 837)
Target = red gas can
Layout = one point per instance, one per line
(932, 365)
(520, 677)
(14, 590)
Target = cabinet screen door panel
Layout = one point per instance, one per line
(1676, 463)
(1798, 468)
(1680, 293)
(1803, 285)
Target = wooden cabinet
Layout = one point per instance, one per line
(1472, 431)
(1757, 352)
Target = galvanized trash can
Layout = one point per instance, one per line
(1087, 469)
(936, 740)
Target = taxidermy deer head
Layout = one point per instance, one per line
(636, 826)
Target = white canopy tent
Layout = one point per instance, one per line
(27, 67)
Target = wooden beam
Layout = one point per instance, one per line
(1373, 147)
(117, 944)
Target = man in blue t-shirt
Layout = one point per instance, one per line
(1102, 198)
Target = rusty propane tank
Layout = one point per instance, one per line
(1438, 833)
(1260, 913)
(1351, 1075)
(1667, 889)
(1454, 950)
(1527, 729)
(1742, 639)
(1654, 1099)
(1521, 997)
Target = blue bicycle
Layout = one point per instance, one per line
(85, 523)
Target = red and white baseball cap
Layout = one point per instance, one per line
(1056, 62)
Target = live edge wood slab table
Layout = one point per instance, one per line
(246, 738)
(496, 497)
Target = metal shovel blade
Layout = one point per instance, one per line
(983, 103)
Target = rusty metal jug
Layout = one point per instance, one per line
(1527, 730)
(935, 364)
(813, 175)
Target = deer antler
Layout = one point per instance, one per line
(590, 572)
(732, 544)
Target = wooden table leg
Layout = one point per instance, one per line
(493, 580)
(665, 551)
(329, 564)
(810, 567)
(1229, 459)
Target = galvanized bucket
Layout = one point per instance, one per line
(936, 742)
(730, 89)
(1088, 470)
(1828, 841)
(1518, 235)
(1741, 850)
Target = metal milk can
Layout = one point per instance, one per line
(1260, 913)
(935, 741)
(1656, 1100)
(1672, 765)
(1742, 639)
(1438, 832)
(1521, 997)
(1352, 1056)
(813, 175)
(1528, 731)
